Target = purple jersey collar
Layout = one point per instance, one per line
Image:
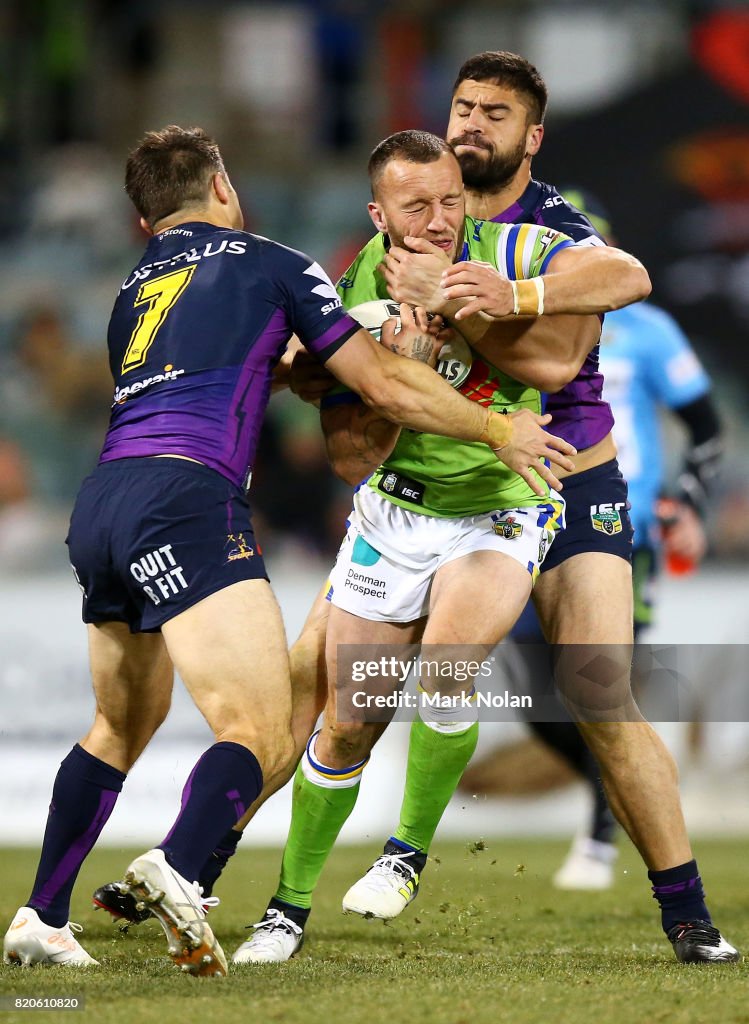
(522, 207)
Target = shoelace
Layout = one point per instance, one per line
(702, 933)
(274, 920)
(75, 927)
(389, 862)
(206, 902)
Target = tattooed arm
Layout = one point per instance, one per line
(358, 439)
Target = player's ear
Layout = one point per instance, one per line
(378, 218)
(146, 226)
(533, 139)
(220, 187)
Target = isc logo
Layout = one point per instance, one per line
(607, 506)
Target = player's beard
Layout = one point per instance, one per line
(492, 172)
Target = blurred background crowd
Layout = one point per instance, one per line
(649, 111)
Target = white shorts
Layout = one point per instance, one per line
(389, 556)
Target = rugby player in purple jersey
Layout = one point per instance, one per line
(584, 594)
(161, 537)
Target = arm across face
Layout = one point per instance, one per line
(545, 352)
(579, 280)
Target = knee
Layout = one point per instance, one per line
(343, 743)
(307, 669)
(276, 755)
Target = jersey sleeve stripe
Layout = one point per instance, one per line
(562, 243)
(524, 251)
(501, 253)
(327, 344)
(508, 265)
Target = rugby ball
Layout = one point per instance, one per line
(455, 357)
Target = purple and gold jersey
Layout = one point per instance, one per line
(579, 413)
(195, 333)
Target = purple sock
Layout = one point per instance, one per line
(680, 895)
(221, 786)
(214, 866)
(83, 797)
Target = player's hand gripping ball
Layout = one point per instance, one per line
(455, 358)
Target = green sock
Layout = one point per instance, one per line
(317, 816)
(436, 761)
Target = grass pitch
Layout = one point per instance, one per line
(488, 940)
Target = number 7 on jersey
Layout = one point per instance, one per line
(161, 293)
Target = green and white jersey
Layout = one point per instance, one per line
(441, 476)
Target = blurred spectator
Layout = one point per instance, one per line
(28, 532)
(293, 487)
(80, 202)
(730, 539)
(54, 401)
(71, 381)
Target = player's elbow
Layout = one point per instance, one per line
(641, 283)
(553, 375)
(633, 284)
(348, 468)
(558, 373)
(552, 383)
(553, 378)
(386, 395)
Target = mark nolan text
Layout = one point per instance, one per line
(362, 699)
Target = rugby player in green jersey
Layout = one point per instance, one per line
(433, 524)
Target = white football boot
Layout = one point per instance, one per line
(589, 866)
(386, 889)
(276, 939)
(178, 906)
(29, 941)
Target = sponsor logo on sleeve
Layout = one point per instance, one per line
(326, 288)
